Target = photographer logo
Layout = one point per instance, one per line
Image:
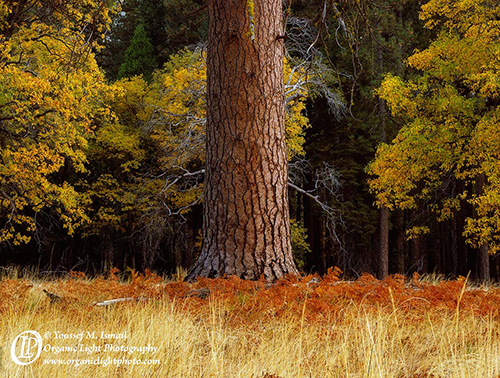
(26, 348)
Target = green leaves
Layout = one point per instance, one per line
(139, 56)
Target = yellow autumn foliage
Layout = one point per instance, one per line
(451, 116)
(172, 113)
(79, 153)
(50, 95)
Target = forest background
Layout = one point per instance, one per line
(392, 132)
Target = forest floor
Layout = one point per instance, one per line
(307, 327)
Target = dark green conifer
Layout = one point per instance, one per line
(140, 56)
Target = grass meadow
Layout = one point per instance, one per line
(295, 328)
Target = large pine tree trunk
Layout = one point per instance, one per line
(246, 229)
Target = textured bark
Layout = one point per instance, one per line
(246, 230)
(383, 258)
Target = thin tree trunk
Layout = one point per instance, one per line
(314, 224)
(246, 230)
(416, 249)
(400, 243)
(107, 252)
(383, 258)
(484, 263)
(483, 253)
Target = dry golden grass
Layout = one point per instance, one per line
(232, 328)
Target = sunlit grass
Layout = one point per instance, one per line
(334, 328)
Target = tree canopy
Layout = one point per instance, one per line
(451, 117)
(389, 104)
(51, 99)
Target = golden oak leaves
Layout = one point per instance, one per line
(296, 121)
(113, 185)
(4, 12)
(51, 93)
(176, 111)
(177, 99)
(84, 17)
(117, 193)
(172, 113)
(452, 120)
(86, 153)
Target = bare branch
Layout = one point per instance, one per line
(180, 177)
(326, 184)
(118, 300)
(179, 211)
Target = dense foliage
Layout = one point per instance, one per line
(445, 158)
(85, 159)
(52, 96)
(102, 115)
(451, 121)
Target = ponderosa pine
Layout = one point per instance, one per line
(246, 228)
